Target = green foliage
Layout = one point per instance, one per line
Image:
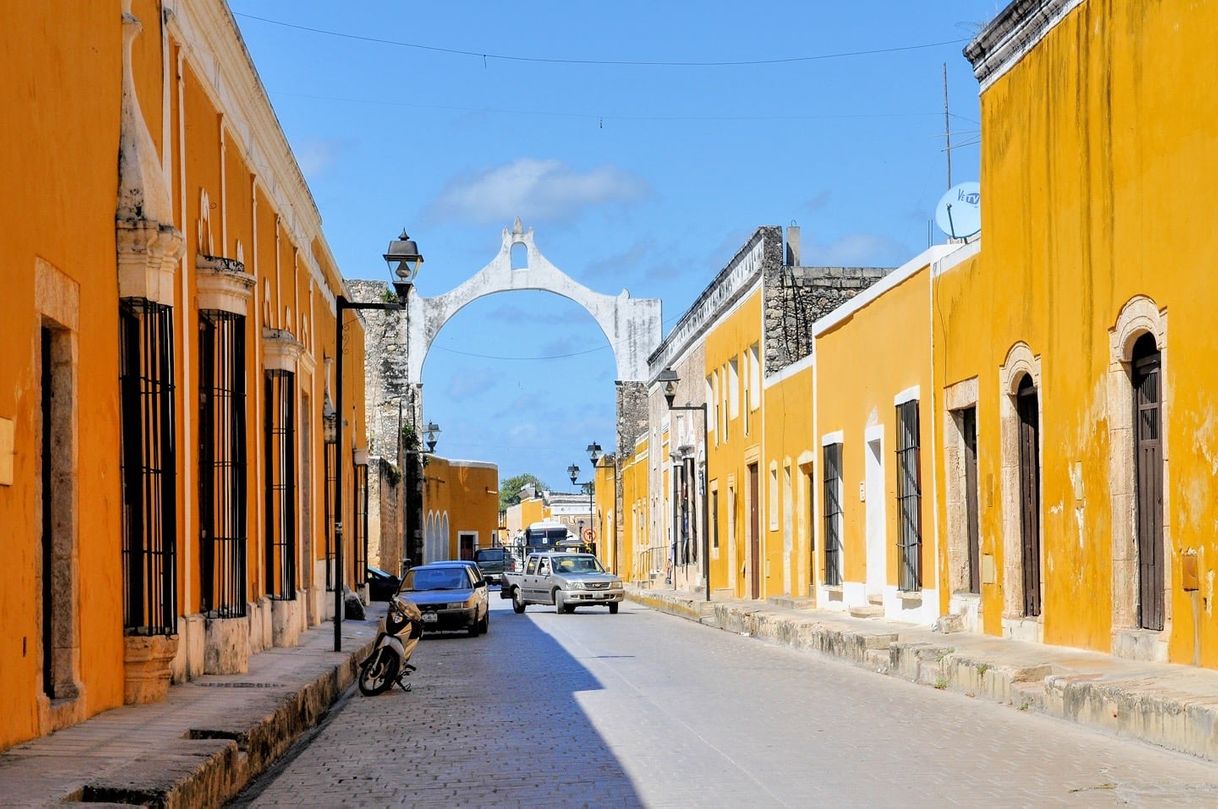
(509, 490)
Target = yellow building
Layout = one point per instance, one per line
(460, 506)
(877, 538)
(169, 322)
(743, 350)
(1096, 490)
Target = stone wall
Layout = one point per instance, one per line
(795, 297)
(392, 403)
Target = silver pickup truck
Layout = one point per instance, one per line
(566, 580)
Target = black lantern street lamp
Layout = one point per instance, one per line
(669, 379)
(594, 455)
(403, 259)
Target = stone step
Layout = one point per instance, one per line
(869, 611)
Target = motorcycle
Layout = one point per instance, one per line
(388, 664)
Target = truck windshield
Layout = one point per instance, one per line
(577, 564)
(489, 555)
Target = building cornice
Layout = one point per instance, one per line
(731, 284)
(212, 44)
(1015, 31)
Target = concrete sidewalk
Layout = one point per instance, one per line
(1168, 705)
(202, 743)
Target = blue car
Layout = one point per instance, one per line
(450, 595)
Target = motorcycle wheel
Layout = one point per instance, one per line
(378, 674)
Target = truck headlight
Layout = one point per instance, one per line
(575, 585)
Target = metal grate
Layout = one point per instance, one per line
(149, 468)
(280, 433)
(833, 514)
(909, 497)
(223, 536)
(328, 496)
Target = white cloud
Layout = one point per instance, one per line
(534, 190)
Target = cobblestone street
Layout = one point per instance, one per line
(645, 709)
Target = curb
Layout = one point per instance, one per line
(216, 763)
(1140, 707)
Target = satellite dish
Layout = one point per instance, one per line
(958, 213)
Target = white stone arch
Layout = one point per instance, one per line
(1138, 316)
(632, 325)
(1020, 361)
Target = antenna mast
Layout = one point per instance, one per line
(947, 128)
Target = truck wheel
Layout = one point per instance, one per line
(613, 608)
(559, 606)
(518, 604)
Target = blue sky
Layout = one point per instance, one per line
(644, 177)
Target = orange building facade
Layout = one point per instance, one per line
(167, 388)
(461, 508)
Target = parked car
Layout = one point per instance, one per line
(450, 595)
(494, 562)
(566, 580)
(381, 584)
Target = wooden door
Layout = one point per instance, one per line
(754, 534)
(1148, 458)
(968, 429)
(1028, 407)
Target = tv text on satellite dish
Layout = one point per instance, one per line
(958, 213)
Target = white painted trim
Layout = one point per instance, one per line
(908, 395)
(893, 279)
(699, 339)
(456, 462)
(797, 367)
(1012, 35)
(961, 254)
(874, 433)
(835, 437)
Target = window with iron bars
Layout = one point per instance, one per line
(280, 491)
(223, 527)
(330, 490)
(833, 514)
(909, 497)
(360, 570)
(149, 468)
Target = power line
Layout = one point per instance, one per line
(552, 60)
(596, 116)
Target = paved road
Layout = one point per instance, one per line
(646, 709)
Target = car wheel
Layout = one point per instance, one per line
(518, 604)
(486, 623)
(613, 608)
(474, 629)
(559, 606)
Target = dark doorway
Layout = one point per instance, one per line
(968, 431)
(1027, 405)
(833, 514)
(754, 534)
(48, 536)
(1148, 459)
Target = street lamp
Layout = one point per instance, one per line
(669, 378)
(403, 259)
(594, 454)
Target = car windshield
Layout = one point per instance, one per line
(436, 578)
(577, 564)
(489, 555)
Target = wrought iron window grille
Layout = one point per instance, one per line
(223, 508)
(148, 468)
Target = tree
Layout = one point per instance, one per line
(509, 490)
